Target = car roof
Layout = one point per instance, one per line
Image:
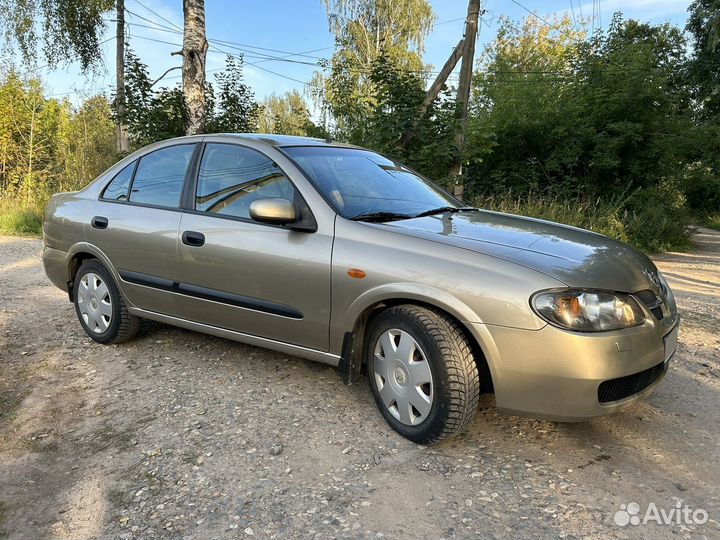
(271, 139)
(280, 141)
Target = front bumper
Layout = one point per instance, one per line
(554, 374)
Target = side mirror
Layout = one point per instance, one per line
(277, 211)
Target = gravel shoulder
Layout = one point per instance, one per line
(181, 435)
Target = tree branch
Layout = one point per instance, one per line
(163, 75)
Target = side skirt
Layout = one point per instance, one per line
(279, 346)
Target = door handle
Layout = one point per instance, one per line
(192, 238)
(99, 222)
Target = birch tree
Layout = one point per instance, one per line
(194, 54)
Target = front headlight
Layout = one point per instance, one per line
(586, 310)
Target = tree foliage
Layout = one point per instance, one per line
(157, 114)
(286, 114)
(238, 110)
(704, 67)
(365, 30)
(603, 115)
(46, 145)
(65, 30)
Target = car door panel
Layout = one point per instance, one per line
(136, 242)
(238, 274)
(257, 279)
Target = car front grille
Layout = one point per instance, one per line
(623, 387)
(652, 301)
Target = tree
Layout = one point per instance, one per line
(238, 110)
(194, 54)
(601, 116)
(151, 115)
(704, 25)
(69, 30)
(399, 96)
(86, 144)
(286, 114)
(365, 29)
(46, 145)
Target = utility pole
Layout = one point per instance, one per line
(463, 92)
(122, 132)
(434, 90)
(194, 53)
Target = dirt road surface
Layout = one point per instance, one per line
(180, 435)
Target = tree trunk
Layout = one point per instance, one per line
(463, 93)
(194, 53)
(122, 132)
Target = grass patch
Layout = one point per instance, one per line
(649, 220)
(713, 222)
(20, 220)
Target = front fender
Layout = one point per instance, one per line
(414, 292)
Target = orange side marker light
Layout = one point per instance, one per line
(356, 273)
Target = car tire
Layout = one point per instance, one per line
(100, 306)
(426, 384)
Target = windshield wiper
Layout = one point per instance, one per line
(443, 209)
(381, 216)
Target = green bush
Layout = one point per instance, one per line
(656, 219)
(20, 220)
(702, 189)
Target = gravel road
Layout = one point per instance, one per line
(181, 435)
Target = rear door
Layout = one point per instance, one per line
(238, 274)
(135, 223)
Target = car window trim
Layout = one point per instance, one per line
(189, 202)
(177, 208)
(132, 175)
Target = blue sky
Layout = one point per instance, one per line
(299, 26)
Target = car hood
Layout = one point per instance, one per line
(576, 257)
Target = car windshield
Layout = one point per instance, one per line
(361, 184)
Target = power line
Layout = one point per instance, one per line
(158, 15)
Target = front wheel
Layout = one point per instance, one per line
(422, 373)
(100, 307)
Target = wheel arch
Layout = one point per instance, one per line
(77, 255)
(353, 345)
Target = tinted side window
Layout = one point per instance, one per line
(231, 177)
(117, 189)
(160, 176)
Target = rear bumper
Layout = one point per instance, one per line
(566, 376)
(56, 267)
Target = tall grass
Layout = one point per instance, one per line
(19, 219)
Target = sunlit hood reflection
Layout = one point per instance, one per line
(574, 256)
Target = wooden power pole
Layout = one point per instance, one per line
(122, 132)
(463, 92)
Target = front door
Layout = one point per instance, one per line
(241, 275)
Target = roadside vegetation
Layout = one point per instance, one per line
(617, 131)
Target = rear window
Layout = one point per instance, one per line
(117, 189)
(160, 176)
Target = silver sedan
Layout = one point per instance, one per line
(340, 255)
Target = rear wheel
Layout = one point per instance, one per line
(422, 373)
(100, 307)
